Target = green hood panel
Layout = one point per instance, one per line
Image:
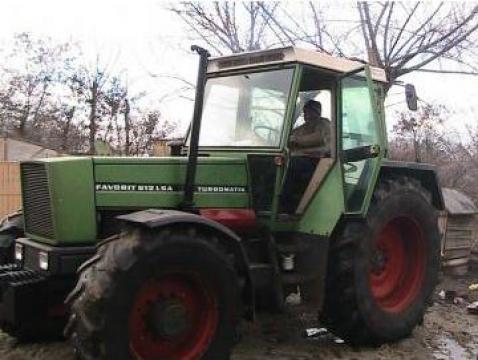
(158, 182)
(76, 188)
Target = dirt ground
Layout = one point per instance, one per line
(448, 332)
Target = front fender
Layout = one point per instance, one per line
(159, 218)
(11, 227)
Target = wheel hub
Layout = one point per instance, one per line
(379, 260)
(397, 264)
(174, 316)
(171, 318)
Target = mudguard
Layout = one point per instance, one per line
(11, 227)
(157, 218)
(424, 173)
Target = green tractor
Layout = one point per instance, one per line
(169, 254)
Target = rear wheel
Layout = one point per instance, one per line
(398, 264)
(382, 271)
(174, 296)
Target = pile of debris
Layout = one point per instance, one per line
(468, 298)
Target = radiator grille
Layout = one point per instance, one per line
(36, 200)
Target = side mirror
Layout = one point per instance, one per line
(411, 96)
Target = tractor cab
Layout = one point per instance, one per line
(298, 117)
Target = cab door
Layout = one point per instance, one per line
(361, 145)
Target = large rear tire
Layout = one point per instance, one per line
(382, 271)
(170, 295)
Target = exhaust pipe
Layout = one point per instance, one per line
(188, 199)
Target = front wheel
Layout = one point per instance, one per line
(164, 296)
(11, 228)
(382, 271)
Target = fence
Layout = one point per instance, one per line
(10, 189)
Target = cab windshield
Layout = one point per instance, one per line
(245, 110)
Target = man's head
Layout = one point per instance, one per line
(312, 110)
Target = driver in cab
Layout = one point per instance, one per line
(314, 133)
(310, 142)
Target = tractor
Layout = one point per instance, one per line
(163, 257)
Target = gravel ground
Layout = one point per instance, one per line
(448, 332)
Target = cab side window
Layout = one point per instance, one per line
(359, 128)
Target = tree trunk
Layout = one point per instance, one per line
(24, 119)
(40, 103)
(416, 148)
(66, 128)
(127, 127)
(92, 117)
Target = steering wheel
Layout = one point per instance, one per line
(265, 127)
(350, 168)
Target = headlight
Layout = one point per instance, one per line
(43, 260)
(18, 252)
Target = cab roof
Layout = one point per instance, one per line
(289, 55)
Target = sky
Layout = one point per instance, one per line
(143, 38)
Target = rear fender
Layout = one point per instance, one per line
(156, 219)
(424, 173)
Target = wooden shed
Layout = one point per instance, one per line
(458, 226)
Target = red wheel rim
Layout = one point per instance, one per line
(173, 317)
(398, 264)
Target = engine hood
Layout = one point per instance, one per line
(159, 182)
(62, 197)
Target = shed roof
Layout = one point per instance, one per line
(15, 149)
(290, 55)
(457, 203)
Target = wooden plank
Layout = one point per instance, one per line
(10, 188)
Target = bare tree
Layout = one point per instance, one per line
(305, 24)
(146, 128)
(406, 37)
(400, 37)
(423, 130)
(103, 93)
(421, 137)
(114, 97)
(66, 129)
(229, 26)
(468, 179)
(90, 83)
(35, 65)
(127, 126)
(49, 96)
